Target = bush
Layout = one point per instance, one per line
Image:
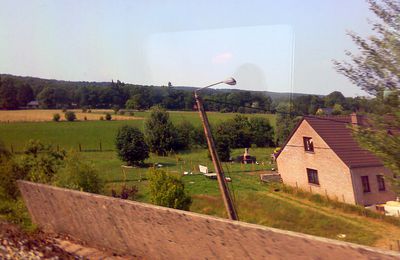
(168, 190)
(131, 147)
(78, 175)
(70, 116)
(131, 113)
(101, 118)
(84, 109)
(108, 117)
(39, 162)
(56, 117)
(122, 112)
(85, 118)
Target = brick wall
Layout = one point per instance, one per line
(160, 233)
(334, 176)
(374, 196)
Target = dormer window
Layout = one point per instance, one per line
(308, 144)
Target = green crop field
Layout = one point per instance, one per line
(256, 202)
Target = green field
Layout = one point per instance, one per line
(256, 202)
(90, 133)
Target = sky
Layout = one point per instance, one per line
(269, 45)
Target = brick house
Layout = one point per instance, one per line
(321, 156)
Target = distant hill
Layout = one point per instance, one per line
(38, 83)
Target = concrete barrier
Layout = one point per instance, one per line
(154, 232)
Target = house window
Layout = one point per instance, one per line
(308, 144)
(312, 176)
(365, 183)
(381, 182)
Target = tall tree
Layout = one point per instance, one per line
(159, 131)
(8, 95)
(376, 70)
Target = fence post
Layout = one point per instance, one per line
(101, 148)
(80, 148)
(12, 149)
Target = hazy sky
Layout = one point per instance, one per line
(184, 42)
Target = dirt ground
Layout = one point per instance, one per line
(41, 115)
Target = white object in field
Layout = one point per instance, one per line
(203, 169)
(185, 173)
(392, 208)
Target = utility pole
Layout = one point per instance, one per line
(226, 196)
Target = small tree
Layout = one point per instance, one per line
(70, 116)
(108, 117)
(168, 190)
(56, 117)
(159, 131)
(131, 147)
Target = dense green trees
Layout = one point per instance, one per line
(8, 95)
(285, 122)
(131, 147)
(25, 95)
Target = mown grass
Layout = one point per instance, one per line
(89, 134)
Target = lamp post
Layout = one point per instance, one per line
(226, 196)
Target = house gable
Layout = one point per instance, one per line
(333, 174)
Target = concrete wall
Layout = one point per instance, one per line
(334, 176)
(160, 233)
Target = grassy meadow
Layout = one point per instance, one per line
(260, 203)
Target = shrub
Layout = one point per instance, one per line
(131, 113)
(89, 111)
(84, 109)
(78, 175)
(126, 192)
(41, 162)
(122, 112)
(101, 118)
(70, 116)
(56, 117)
(85, 118)
(168, 190)
(108, 117)
(131, 147)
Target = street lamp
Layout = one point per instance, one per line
(226, 196)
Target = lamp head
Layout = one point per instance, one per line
(230, 81)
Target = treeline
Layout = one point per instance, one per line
(17, 92)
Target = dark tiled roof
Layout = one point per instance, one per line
(336, 132)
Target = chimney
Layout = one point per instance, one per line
(355, 119)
